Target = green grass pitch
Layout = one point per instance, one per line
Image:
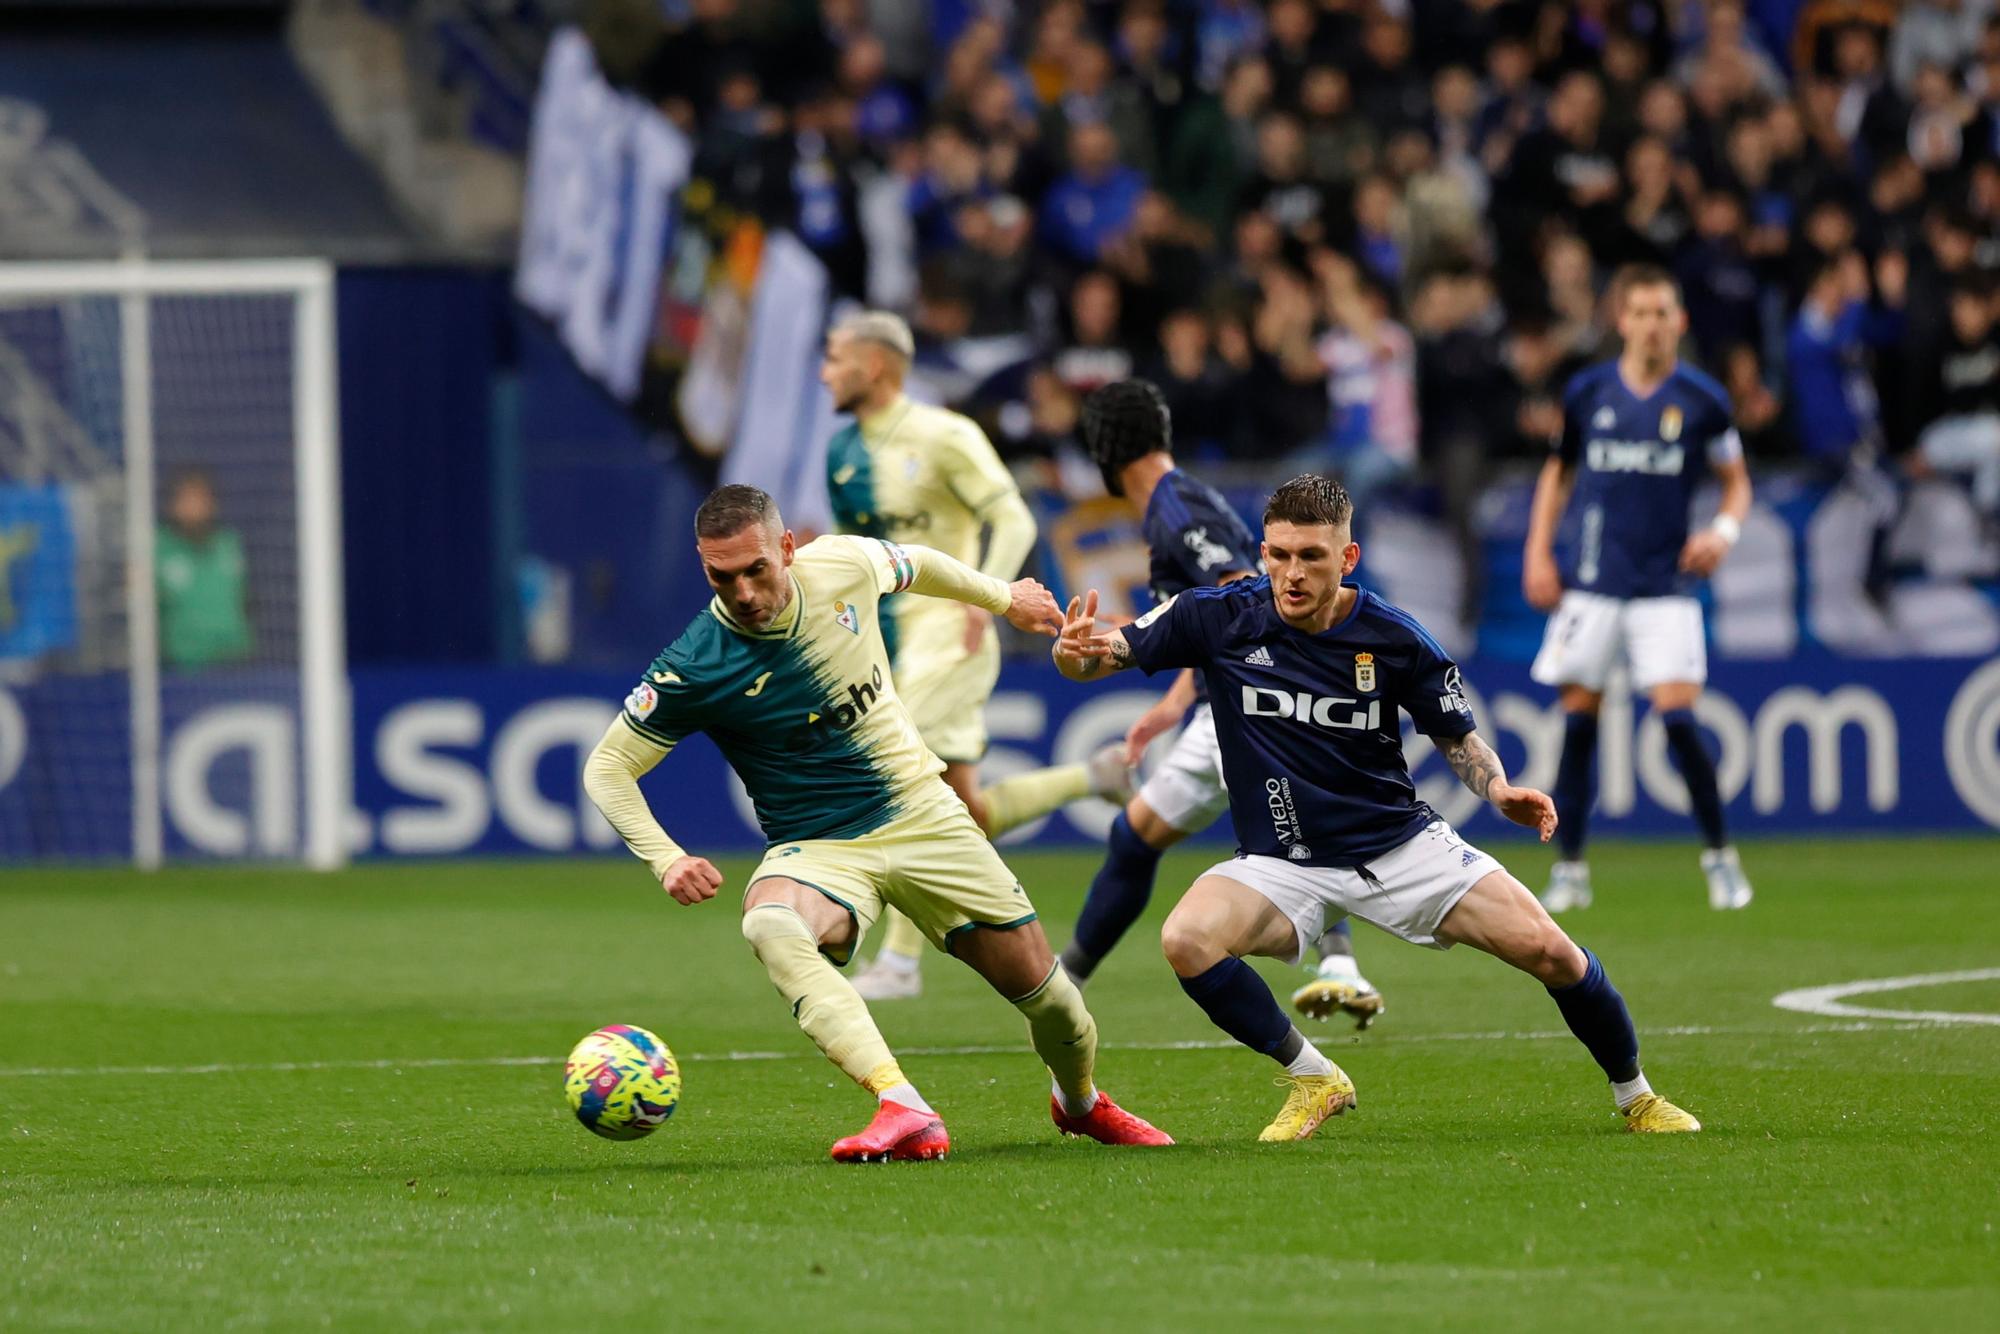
(265, 1099)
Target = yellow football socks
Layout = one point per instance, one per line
(823, 1001)
(1015, 801)
(1065, 1037)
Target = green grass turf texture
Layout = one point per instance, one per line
(1846, 1179)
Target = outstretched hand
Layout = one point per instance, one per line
(1034, 609)
(1526, 807)
(1079, 648)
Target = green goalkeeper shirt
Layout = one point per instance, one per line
(201, 589)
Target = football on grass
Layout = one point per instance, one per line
(622, 1082)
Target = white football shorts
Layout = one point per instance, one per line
(1187, 790)
(1660, 639)
(1407, 891)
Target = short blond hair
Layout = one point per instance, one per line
(883, 328)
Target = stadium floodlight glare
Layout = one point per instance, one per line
(124, 385)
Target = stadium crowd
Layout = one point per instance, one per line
(1376, 235)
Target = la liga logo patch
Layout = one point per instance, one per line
(642, 701)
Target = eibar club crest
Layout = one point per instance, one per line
(1670, 425)
(844, 613)
(1364, 672)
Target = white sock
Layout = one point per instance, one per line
(896, 963)
(1623, 1092)
(906, 1095)
(1069, 1104)
(1341, 967)
(1309, 1061)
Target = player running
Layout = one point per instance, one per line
(1636, 434)
(1195, 540)
(1305, 675)
(787, 673)
(909, 472)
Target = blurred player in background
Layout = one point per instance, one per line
(1195, 539)
(909, 472)
(1307, 675)
(1639, 434)
(788, 674)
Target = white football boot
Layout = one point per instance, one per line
(1569, 887)
(890, 976)
(1110, 777)
(1728, 887)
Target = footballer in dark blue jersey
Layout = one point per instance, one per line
(1307, 676)
(1195, 540)
(1640, 434)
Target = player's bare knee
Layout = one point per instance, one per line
(1189, 945)
(1554, 958)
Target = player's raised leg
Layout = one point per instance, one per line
(791, 926)
(1017, 962)
(1217, 923)
(1499, 916)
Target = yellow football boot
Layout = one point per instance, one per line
(1650, 1114)
(1324, 997)
(1313, 1098)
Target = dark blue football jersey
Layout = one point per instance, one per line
(1194, 536)
(1312, 749)
(1638, 462)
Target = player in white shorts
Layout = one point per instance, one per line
(1640, 433)
(1308, 677)
(1194, 538)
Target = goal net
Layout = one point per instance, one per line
(172, 664)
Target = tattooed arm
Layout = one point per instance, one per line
(1081, 653)
(1474, 762)
(1486, 778)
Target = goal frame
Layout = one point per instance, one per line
(325, 721)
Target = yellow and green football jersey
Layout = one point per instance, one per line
(804, 710)
(918, 474)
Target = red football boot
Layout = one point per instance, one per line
(896, 1134)
(1107, 1123)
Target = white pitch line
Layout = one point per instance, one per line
(1828, 1000)
(804, 1054)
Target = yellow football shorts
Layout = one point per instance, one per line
(946, 690)
(933, 864)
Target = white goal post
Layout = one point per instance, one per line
(240, 357)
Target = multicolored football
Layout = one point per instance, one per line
(622, 1082)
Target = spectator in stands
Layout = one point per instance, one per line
(1839, 410)
(1964, 437)
(1759, 413)
(1561, 171)
(1214, 145)
(1095, 202)
(1281, 189)
(1340, 142)
(1719, 282)
(202, 581)
(1095, 353)
(1201, 390)
(1370, 365)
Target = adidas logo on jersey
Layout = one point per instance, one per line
(1260, 657)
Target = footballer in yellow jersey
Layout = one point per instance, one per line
(787, 672)
(909, 472)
